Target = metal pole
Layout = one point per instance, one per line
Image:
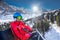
(39, 32)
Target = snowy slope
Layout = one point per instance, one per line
(52, 35)
(57, 28)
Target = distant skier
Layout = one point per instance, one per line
(19, 29)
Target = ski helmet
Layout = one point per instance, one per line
(15, 15)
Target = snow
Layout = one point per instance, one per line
(25, 16)
(57, 28)
(30, 24)
(1, 11)
(52, 35)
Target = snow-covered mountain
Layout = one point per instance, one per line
(7, 13)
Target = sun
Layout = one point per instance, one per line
(34, 8)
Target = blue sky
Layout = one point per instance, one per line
(47, 4)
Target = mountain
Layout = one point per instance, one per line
(8, 10)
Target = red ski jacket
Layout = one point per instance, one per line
(20, 30)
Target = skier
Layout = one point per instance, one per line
(19, 29)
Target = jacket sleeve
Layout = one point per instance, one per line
(15, 31)
(28, 28)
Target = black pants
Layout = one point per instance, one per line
(35, 36)
(6, 35)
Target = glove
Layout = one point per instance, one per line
(25, 29)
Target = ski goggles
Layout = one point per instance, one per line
(19, 17)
